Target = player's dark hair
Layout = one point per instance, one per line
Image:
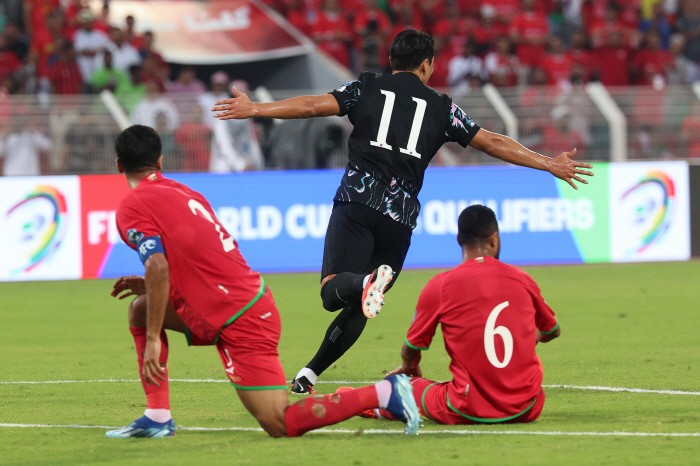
(138, 148)
(476, 223)
(410, 48)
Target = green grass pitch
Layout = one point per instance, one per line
(632, 326)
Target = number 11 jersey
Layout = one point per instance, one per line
(399, 125)
(210, 281)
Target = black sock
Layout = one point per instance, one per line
(340, 336)
(341, 290)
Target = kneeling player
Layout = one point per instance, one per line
(492, 315)
(198, 283)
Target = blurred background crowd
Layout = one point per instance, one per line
(546, 49)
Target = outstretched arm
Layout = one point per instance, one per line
(307, 106)
(508, 150)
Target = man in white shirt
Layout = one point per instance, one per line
(21, 150)
(89, 45)
(153, 104)
(462, 68)
(234, 146)
(124, 55)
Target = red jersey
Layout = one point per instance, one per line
(613, 65)
(9, 63)
(195, 140)
(529, 25)
(557, 68)
(66, 78)
(326, 31)
(210, 281)
(652, 63)
(488, 312)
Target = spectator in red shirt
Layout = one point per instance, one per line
(557, 63)
(506, 10)
(65, 75)
(407, 16)
(487, 31)
(332, 32)
(45, 43)
(613, 61)
(602, 27)
(502, 65)
(651, 64)
(35, 12)
(580, 54)
(147, 50)
(529, 30)
(441, 63)
(71, 17)
(371, 16)
(454, 29)
(194, 137)
(130, 35)
(9, 62)
(298, 17)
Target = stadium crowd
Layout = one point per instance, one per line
(510, 42)
(61, 48)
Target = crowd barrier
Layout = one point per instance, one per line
(63, 227)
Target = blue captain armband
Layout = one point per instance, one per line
(148, 246)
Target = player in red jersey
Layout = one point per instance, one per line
(492, 315)
(198, 283)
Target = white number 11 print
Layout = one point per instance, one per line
(386, 119)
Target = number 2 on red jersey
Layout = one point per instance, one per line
(198, 209)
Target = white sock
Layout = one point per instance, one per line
(309, 374)
(158, 415)
(364, 283)
(383, 393)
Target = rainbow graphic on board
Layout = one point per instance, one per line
(663, 215)
(49, 228)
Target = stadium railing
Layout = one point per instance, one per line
(651, 124)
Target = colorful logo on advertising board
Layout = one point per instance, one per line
(42, 218)
(653, 200)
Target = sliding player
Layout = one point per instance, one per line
(492, 315)
(198, 283)
(399, 125)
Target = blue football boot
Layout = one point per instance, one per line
(144, 427)
(402, 405)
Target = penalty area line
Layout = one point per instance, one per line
(351, 382)
(391, 431)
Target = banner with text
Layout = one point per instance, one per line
(64, 227)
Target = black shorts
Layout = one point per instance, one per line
(359, 239)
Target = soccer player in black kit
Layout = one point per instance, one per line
(399, 125)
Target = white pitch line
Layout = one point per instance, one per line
(392, 431)
(365, 382)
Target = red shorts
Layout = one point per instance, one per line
(248, 347)
(431, 398)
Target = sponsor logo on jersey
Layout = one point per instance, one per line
(134, 236)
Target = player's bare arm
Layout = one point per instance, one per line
(157, 283)
(504, 148)
(410, 364)
(542, 338)
(307, 106)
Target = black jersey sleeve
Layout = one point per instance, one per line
(460, 128)
(347, 95)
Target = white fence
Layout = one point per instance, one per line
(75, 135)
